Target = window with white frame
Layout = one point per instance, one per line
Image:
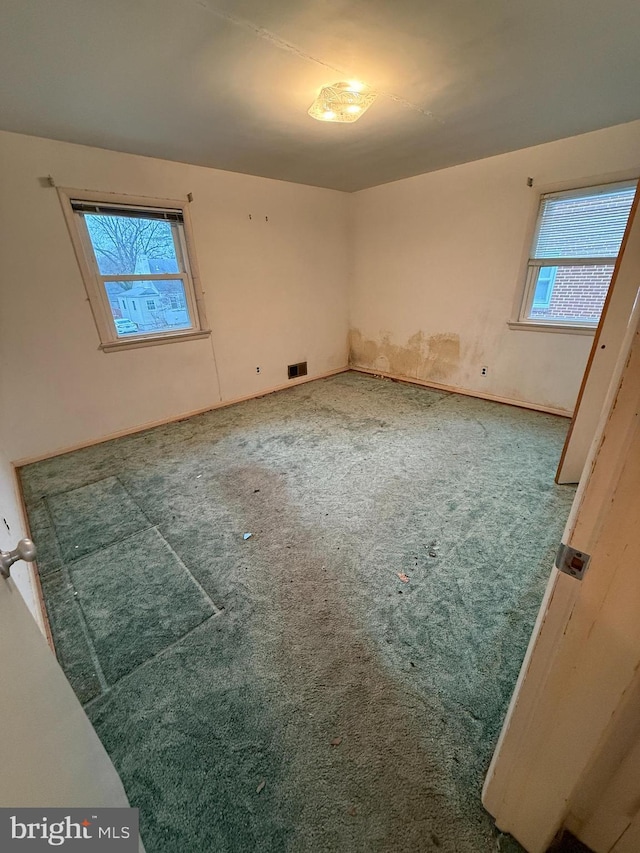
(138, 266)
(575, 246)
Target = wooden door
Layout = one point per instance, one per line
(585, 650)
(51, 756)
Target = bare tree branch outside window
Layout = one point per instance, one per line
(123, 243)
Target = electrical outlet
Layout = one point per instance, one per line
(484, 371)
(257, 370)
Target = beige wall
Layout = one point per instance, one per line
(276, 294)
(439, 262)
(434, 265)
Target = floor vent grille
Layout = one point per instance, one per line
(296, 370)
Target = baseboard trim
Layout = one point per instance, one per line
(454, 389)
(29, 460)
(34, 573)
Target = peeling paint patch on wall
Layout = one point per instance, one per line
(434, 357)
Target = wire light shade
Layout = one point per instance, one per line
(342, 102)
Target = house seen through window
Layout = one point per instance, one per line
(137, 271)
(575, 246)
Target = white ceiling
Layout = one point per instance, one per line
(227, 83)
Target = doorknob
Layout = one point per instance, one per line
(25, 550)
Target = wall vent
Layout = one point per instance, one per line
(299, 369)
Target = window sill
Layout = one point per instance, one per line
(156, 340)
(524, 326)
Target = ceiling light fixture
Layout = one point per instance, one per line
(342, 102)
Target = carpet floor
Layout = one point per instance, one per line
(337, 680)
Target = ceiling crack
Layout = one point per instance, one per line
(288, 47)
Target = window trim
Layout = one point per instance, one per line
(92, 279)
(523, 297)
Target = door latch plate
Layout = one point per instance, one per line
(572, 562)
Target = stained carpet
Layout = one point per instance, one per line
(336, 681)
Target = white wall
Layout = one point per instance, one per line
(276, 293)
(439, 262)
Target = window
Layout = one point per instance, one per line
(575, 245)
(544, 288)
(137, 267)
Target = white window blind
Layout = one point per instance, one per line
(126, 210)
(575, 244)
(587, 224)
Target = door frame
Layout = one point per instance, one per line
(614, 318)
(547, 742)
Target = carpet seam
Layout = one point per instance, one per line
(190, 575)
(77, 607)
(75, 488)
(87, 631)
(111, 687)
(104, 684)
(47, 509)
(66, 566)
(109, 545)
(133, 500)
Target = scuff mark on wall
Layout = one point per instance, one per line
(434, 357)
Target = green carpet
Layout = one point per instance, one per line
(92, 517)
(290, 692)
